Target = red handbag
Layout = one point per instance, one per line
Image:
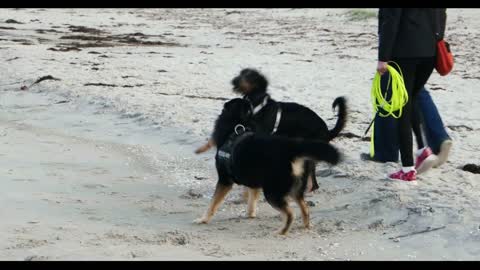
(444, 62)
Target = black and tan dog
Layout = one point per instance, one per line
(276, 164)
(283, 118)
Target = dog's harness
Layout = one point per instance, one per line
(277, 119)
(259, 107)
(225, 153)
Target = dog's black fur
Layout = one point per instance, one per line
(297, 120)
(275, 164)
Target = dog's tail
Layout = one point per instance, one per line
(316, 150)
(341, 103)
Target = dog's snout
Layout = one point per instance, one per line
(236, 81)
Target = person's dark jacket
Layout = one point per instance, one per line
(409, 32)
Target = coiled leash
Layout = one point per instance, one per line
(394, 106)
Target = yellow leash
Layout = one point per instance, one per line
(393, 106)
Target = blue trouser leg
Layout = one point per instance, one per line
(385, 137)
(435, 132)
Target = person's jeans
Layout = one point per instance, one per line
(385, 130)
(432, 123)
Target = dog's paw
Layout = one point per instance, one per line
(308, 227)
(252, 215)
(200, 221)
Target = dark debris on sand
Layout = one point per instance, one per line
(349, 135)
(191, 194)
(13, 21)
(98, 40)
(83, 29)
(64, 49)
(113, 85)
(41, 79)
(473, 168)
(460, 127)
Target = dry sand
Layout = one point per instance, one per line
(100, 165)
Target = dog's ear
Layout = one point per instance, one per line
(236, 84)
(245, 71)
(229, 104)
(238, 109)
(260, 81)
(236, 81)
(232, 105)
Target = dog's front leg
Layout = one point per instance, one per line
(245, 194)
(221, 191)
(205, 147)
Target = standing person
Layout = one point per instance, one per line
(386, 141)
(408, 36)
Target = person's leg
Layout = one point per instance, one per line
(443, 153)
(434, 129)
(408, 68)
(425, 158)
(416, 123)
(415, 74)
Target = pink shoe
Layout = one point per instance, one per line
(410, 176)
(425, 160)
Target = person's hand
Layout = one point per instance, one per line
(382, 67)
(205, 147)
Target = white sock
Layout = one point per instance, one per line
(419, 151)
(407, 169)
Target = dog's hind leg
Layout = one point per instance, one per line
(281, 204)
(305, 212)
(288, 216)
(299, 193)
(312, 179)
(245, 194)
(220, 192)
(253, 194)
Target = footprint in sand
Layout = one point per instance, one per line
(29, 243)
(24, 180)
(99, 171)
(36, 258)
(90, 212)
(94, 186)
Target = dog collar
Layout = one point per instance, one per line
(260, 106)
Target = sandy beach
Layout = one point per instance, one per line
(99, 164)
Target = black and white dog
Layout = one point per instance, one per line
(292, 120)
(277, 164)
